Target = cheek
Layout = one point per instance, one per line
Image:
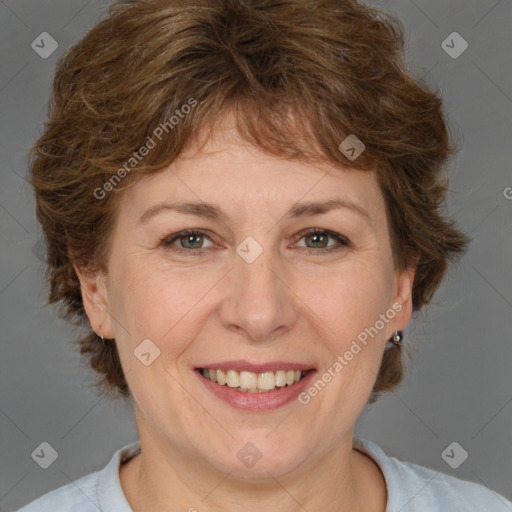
(157, 303)
(354, 335)
(353, 299)
(170, 306)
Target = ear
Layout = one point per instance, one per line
(402, 299)
(95, 298)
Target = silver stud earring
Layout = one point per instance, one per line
(397, 338)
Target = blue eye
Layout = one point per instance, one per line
(318, 236)
(191, 240)
(189, 236)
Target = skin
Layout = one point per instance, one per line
(292, 303)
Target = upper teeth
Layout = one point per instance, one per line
(253, 382)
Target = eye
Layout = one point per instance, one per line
(319, 238)
(188, 239)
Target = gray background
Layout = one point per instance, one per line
(459, 387)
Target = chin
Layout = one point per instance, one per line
(258, 459)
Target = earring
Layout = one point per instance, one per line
(397, 338)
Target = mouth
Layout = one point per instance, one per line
(253, 387)
(252, 382)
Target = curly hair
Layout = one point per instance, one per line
(300, 75)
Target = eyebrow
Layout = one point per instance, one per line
(212, 212)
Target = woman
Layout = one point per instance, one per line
(241, 202)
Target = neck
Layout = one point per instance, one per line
(162, 475)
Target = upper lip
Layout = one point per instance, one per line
(272, 366)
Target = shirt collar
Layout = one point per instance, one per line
(110, 493)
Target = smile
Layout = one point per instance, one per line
(250, 382)
(252, 386)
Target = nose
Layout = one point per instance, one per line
(259, 302)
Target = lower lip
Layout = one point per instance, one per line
(257, 401)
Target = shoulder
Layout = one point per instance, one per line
(432, 490)
(415, 488)
(79, 496)
(97, 491)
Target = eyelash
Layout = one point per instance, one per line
(342, 241)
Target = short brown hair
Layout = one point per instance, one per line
(335, 65)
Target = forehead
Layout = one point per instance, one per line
(221, 168)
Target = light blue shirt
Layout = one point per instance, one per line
(411, 488)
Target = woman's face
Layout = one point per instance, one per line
(251, 292)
